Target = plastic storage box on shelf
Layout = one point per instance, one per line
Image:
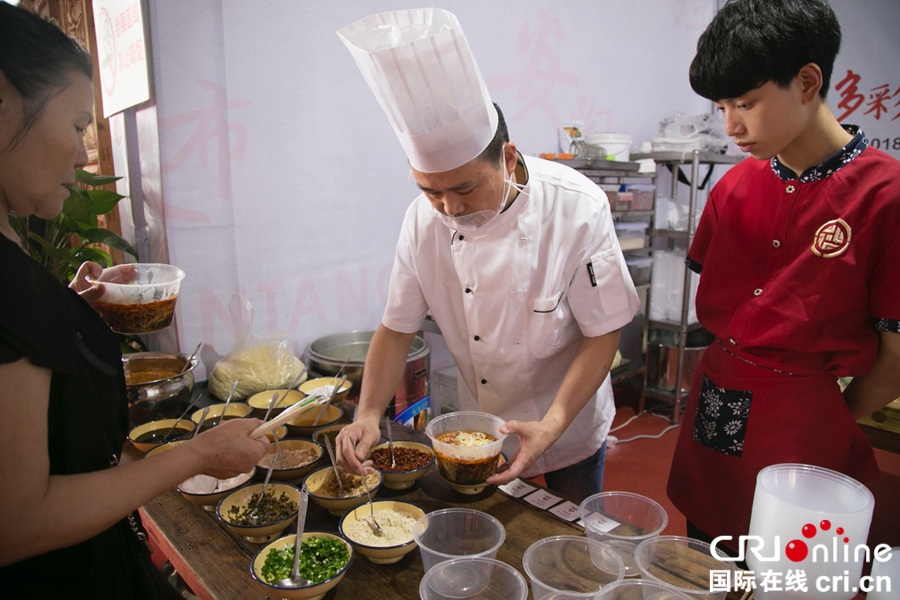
(445, 398)
(639, 269)
(631, 235)
(642, 195)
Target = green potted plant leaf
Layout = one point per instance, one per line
(66, 241)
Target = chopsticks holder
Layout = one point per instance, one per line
(287, 414)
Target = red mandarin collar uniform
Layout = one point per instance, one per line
(798, 277)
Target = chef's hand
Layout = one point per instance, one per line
(228, 450)
(353, 444)
(534, 439)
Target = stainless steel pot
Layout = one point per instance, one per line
(163, 398)
(662, 352)
(326, 355)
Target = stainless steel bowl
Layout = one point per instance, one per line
(328, 354)
(162, 397)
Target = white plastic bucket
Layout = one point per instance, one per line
(615, 145)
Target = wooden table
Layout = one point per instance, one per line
(215, 563)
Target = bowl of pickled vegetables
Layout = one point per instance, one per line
(138, 298)
(256, 520)
(324, 559)
(467, 447)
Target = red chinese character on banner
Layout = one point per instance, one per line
(850, 97)
(122, 63)
(896, 95)
(879, 96)
(118, 26)
(139, 49)
(543, 70)
(136, 12)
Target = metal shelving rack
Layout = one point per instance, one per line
(618, 172)
(674, 160)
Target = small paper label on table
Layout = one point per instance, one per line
(516, 488)
(600, 523)
(543, 499)
(567, 511)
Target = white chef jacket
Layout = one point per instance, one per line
(515, 298)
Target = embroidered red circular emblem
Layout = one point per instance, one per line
(832, 239)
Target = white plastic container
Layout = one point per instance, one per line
(814, 519)
(631, 235)
(610, 146)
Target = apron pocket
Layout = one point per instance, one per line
(720, 423)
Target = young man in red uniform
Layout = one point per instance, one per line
(798, 250)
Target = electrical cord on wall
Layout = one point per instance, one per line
(613, 440)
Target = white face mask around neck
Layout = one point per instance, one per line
(477, 220)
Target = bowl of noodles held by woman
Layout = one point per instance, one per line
(143, 303)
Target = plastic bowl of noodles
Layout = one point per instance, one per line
(143, 304)
(467, 447)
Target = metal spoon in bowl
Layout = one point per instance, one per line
(253, 517)
(178, 420)
(202, 419)
(334, 391)
(230, 394)
(278, 453)
(295, 580)
(190, 359)
(378, 529)
(275, 400)
(334, 466)
(390, 442)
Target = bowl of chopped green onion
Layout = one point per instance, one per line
(324, 559)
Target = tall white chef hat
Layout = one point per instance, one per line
(420, 68)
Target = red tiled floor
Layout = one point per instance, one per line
(642, 466)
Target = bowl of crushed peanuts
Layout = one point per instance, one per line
(260, 521)
(324, 559)
(297, 459)
(396, 520)
(409, 462)
(324, 490)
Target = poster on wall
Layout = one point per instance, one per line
(119, 27)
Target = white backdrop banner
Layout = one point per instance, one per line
(282, 179)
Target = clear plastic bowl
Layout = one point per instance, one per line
(455, 532)
(623, 520)
(682, 563)
(466, 465)
(570, 567)
(473, 578)
(144, 304)
(639, 589)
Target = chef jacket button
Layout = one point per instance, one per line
(757, 291)
(789, 189)
(776, 243)
(483, 381)
(468, 290)
(732, 342)
(462, 237)
(477, 338)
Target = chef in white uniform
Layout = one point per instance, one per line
(515, 257)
